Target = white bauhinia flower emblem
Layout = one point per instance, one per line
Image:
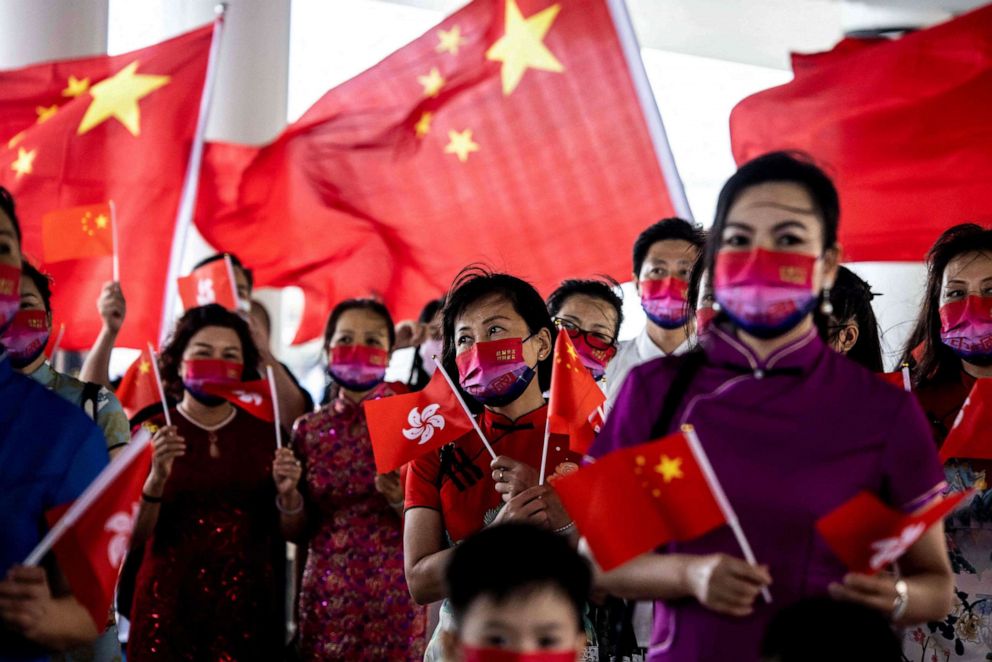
(888, 550)
(249, 397)
(423, 423)
(120, 524)
(205, 292)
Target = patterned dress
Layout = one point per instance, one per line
(354, 601)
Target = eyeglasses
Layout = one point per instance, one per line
(593, 339)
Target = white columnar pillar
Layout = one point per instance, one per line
(39, 30)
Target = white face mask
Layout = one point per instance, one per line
(428, 350)
(244, 306)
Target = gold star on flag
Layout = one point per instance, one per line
(144, 367)
(449, 41)
(16, 139)
(461, 144)
(46, 113)
(423, 125)
(117, 97)
(669, 468)
(432, 82)
(571, 352)
(76, 86)
(522, 46)
(24, 163)
(101, 221)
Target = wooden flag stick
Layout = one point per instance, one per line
(721, 498)
(461, 401)
(117, 245)
(275, 404)
(158, 383)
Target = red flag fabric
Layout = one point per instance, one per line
(95, 129)
(255, 397)
(510, 134)
(77, 233)
(211, 283)
(138, 389)
(971, 435)
(91, 551)
(902, 128)
(404, 427)
(868, 535)
(658, 486)
(575, 405)
(900, 378)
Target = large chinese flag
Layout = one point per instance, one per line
(660, 488)
(575, 403)
(971, 436)
(509, 134)
(404, 427)
(87, 131)
(901, 126)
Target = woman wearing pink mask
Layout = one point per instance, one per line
(498, 341)
(354, 603)
(591, 312)
(792, 429)
(210, 582)
(952, 346)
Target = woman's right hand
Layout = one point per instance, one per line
(726, 584)
(528, 506)
(167, 445)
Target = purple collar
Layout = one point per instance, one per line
(801, 355)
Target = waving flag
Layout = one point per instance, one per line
(971, 435)
(255, 397)
(511, 129)
(211, 283)
(138, 389)
(575, 403)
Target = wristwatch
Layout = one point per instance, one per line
(901, 602)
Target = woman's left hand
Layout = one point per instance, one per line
(286, 471)
(512, 477)
(390, 487)
(875, 591)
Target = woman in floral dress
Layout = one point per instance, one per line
(354, 602)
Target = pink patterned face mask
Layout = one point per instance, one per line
(664, 301)
(199, 372)
(494, 372)
(472, 654)
(966, 327)
(26, 337)
(358, 367)
(765, 293)
(10, 294)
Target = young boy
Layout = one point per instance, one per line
(518, 594)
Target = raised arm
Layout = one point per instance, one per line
(113, 309)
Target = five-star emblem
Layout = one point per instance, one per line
(76, 86)
(24, 163)
(449, 41)
(461, 144)
(144, 367)
(45, 113)
(432, 82)
(669, 468)
(522, 46)
(423, 125)
(101, 221)
(118, 96)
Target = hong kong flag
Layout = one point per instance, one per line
(514, 133)
(211, 283)
(404, 427)
(254, 397)
(971, 436)
(868, 535)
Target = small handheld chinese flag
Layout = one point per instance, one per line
(77, 233)
(404, 427)
(211, 283)
(255, 397)
(138, 388)
(659, 485)
(868, 535)
(971, 436)
(96, 532)
(575, 405)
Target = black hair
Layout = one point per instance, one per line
(477, 282)
(43, 282)
(507, 560)
(371, 305)
(667, 229)
(851, 299)
(937, 362)
(419, 378)
(7, 207)
(604, 288)
(249, 276)
(192, 321)
(430, 311)
(790, 633)
(790, 167)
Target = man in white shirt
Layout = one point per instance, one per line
(664, 255)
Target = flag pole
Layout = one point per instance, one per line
(547, 439)
(158, 383)
(93, 492)
(649, 107)
(275, 404)
(187, 200)
(907, 381)
(721, 498)
(461, 401)
(113, 230)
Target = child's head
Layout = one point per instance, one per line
(516, 588)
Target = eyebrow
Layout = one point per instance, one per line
(784, 225)
(209, 346)
(8, 233)
(788, 208)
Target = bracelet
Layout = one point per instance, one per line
(285, 511)
(565, 530)
(901, 602)
(396, 505)
(148, 498)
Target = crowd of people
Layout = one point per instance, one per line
(755, 335)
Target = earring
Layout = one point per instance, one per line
(826, 307)
(716, 306)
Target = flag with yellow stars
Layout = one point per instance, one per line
(138, 388)
(575, 402)
(75, 134)
(511, 133)
(659, 489)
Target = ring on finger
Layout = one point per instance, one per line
(499, 479)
